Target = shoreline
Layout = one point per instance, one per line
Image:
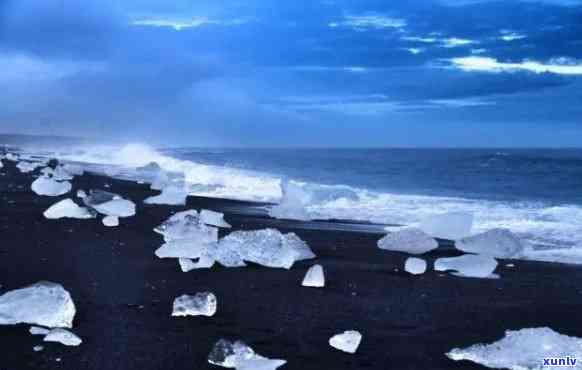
(124, 293)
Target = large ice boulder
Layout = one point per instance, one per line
(66, 208)
(500, 243)
(200, 304)
(410, 240)
(172, 195)
(293, 204)
(44, 303)
(314, 277)
(415, 266)
(468, 265)
(109, 204)
(213, 218)
(348, 341)
(525, 349)
(50, 187)
(451, 225)
(238, 355)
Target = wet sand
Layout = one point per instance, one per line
(124, 293)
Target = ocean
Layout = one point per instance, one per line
(536, 193)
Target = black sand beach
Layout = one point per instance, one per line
(124, 294)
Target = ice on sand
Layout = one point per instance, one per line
(36, 330)
(468, 265)
(415, 266)
(314, 277)
(187, 225)
(213, 218)
(63, 336)
(200, 304)
(50, 187)
(44, 303)
(524, 349)
(293, 204)
(451, 226)
(171, 195)
(500, 243)
(410, 240)
(109, 204)
(66, 208)
(237, 355)
(267, 247)
(348, 341)
(187, 265)
(185, 248)
(110, 221)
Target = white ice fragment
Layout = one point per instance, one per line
(410, 240)
(66, 208)
(500, 243)
(36, 330)
(451, 226)
(110, 221)
(524, 349)
(81, 194)
(44, 303)
(200, 304)
(109, 204)
(293, 204)
(63, 336)
(49, 187)
(468, 265)
(237, 355)
(171, 195)
(415, 266)
(348, 341)
(37, 348)
(187, 225)
(213, 218)
(314, 277)
(187, 265)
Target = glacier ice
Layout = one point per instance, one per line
(500, 243)
(109, 204)
(225, 254)
(187, 265)
(314, 277)
(63, 336)
(451, 225)
(200, 304)
(213, 218)
(415, 266)
(66, 208)
(110, 221)
(44, 303)
(50, 187)
(36, 330)
(183, 248)
(410, 240)
(237, 355)
(348, 341)
(293, 204)
(171, 195)
(187, 225)
(468, 265)
(523, 349)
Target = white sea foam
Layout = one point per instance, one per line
(548, 233)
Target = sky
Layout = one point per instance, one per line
(359, 73)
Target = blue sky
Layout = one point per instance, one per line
(295, 73)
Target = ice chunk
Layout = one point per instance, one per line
(451, 226)
(81, 194)
(63, 336)
(500, 243)
(524, 349)
(37, 348)
(111, 221)
(187, 225)
(238, 355)
(314, 277)
(348, 341)
(171, 195)
(468, 265)
(66, 208)
(184, 248)
(415, 266)
(44, 303)
(227, 254)
(200, 304)
(109, 204)
(410, 240)
(267, 247)
(293, 204)
(213, 218)
(49, 187)
(36, 330)
(187, 265)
